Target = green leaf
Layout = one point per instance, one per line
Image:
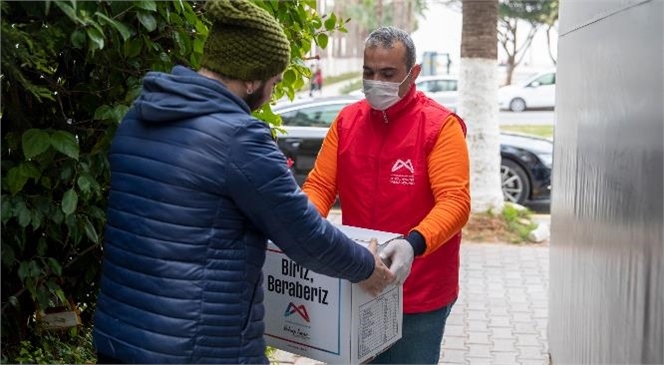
(69, 202)
(174, 19)
(57, 217)
(30, 170)
(36, 219)
(148, 20)
(121, 28)
(55, 266)
(41, 246)
(96, 38)
(46, 182)
(316, 23)
(15, 180)
(34, 269)
(198, 45)
(104, 112)
(132, 48)
(7, 208)
(146, 5)
(57, 290)
(119, 112)
(23, 214)
(89, 229)
(288, 77)
(23, 271)
(68, 10)
(65, 142)
(84, 183)
(321, 40)
(8, 255)
(195, 59)
(298, 84)
(180, 6)
(183, 41)
(66, 172)
(78, 39)
(73, 229)
(34, 142)
(330, 22)
(201, 28)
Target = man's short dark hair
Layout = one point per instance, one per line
(387, 37)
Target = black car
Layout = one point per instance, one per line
(525, 161)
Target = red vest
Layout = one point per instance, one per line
(383, 184)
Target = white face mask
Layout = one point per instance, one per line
(382, 94)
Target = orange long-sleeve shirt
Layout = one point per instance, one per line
(448, 172)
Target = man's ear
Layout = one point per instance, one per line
(415, 72)
(251, 86)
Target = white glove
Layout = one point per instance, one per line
(398, 256)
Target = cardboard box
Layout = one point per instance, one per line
(328, 319)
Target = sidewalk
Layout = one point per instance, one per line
(501, 315)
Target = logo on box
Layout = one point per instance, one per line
(299, 309)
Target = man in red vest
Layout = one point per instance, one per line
(399, 163)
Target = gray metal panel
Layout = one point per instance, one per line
(607, 275)
(586, 12)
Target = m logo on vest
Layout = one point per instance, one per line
(403, 173)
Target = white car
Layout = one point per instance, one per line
(441, 88)
(538, 91)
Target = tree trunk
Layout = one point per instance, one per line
(548, 45)
(478, 95)
(379, 12)
(409, 16)
(398, 14)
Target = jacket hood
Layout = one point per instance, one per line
(184, 94)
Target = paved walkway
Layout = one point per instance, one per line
(501, 315)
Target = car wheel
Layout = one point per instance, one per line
(515, 183)
(517, 105)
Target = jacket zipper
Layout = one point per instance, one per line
(378, 169)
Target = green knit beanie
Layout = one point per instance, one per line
(245, 42)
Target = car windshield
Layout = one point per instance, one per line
(542, 79)
(548, 79)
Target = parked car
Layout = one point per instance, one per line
(441, 88)
(525, 164)
(537, 91)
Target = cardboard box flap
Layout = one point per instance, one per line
(363, 236)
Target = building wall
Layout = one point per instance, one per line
(607, 275)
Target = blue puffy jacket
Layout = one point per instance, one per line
(197, 187)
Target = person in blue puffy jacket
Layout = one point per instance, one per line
(198, 186)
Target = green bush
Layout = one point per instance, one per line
(70, 71)
(69, 347)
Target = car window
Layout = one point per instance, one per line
(448, 85)
(434, 86)
(314, 116)
(430, 86)
(548, 79)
